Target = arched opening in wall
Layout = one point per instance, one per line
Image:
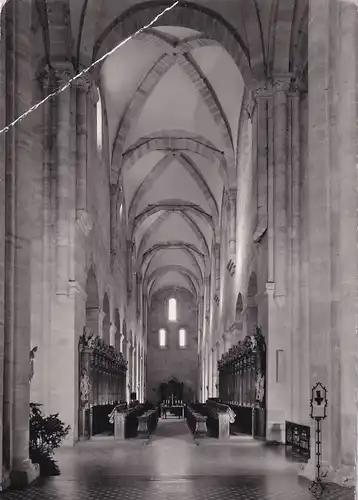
(118, 344)
(92, 303)
(252, 310)
(106, 325)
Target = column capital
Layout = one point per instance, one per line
(55, 75)
(287, 82)
(84, 82)
(46, 77)
(63, 72)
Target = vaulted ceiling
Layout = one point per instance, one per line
(173, 99)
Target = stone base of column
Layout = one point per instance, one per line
(24, 474)
(343, 475)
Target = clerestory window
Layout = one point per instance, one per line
(182, 337)
(162, 338)
(172, 310)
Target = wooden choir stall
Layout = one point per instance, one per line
(242, 374)
(102, 384)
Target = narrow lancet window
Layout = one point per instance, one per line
(172, 310)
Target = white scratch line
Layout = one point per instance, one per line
(68, 84)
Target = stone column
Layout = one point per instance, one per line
(133, 354)
(319, 207)
(112, 334)
(64, 188)
(83, 126)
(319, 232)
(20, 169)
(129, 368)
(217, 268)
(101, 317)
(83, 86)
(137, 387)
(232, 222)
(298, 396)
(207, 373)
(121, 343)
(279, 333)
(3, 264)
(260, 157)
(347, 124)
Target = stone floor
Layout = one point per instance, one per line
(172, 467)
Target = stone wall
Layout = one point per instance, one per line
(172, 361)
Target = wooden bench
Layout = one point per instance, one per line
(147, 423)
(196, 422)
(218, 419)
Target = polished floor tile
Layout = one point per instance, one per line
(172, 467)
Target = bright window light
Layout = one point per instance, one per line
(182, 337)
(99, 124)
(172, 310)
(162, 337)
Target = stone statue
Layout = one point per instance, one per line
(32, 367)
(260, 387)
(85, 388)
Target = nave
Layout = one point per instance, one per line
(172, 466)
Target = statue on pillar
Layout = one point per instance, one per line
(32, 363)
(260, 387)
(85, 388)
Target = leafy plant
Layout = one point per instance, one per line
(46, 434)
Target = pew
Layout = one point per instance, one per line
(147, 423)
(196, 422)
(218, 418)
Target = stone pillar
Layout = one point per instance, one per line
(279, 333)
(129, 369)
(260, 157)
(3, 264)
(64, 187)
(137, 378)
(101, 317)
(319, 208)
(83, 86)
(217, 268)
(332, 205)
(20, 169)
(112, 334)
(121, 343)
(232, 222)
(133, 361)
(347, 123)
(298, 397)
(207, 373)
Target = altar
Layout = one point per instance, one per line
(176, 410)
(173, 407)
